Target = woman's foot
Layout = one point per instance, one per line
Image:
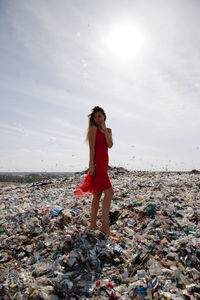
(106, 231)
(94, 227)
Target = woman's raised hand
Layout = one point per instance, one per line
(103, 125)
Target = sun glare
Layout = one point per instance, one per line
(125, 41)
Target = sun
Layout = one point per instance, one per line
(125, 41)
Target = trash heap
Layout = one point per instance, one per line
(48, 251)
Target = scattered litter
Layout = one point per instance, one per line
(48, 251)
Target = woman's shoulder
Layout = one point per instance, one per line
(93, 128)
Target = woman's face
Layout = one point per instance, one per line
(98, 118)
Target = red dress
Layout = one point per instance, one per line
(100, 180)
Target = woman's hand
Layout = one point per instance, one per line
(103, 125)
(92, 170)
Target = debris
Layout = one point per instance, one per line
(48, 251)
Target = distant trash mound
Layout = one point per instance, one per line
(118, 169)
(194, 171)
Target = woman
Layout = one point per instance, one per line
(97, 179)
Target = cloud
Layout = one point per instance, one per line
(55, 68)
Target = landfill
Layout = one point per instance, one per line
(49, 251)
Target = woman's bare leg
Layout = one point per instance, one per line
(95, 207)
(108, 194)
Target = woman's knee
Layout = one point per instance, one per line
(97, 194)
(109, 191)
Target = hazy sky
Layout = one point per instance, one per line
(138, 60)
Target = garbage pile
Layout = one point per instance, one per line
(48, 251)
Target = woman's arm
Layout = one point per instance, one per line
(92, 140)
(108, 136)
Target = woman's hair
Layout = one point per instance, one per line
(91, 120)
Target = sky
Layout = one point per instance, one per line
(138, 60)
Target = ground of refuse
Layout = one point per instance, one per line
(48, 251)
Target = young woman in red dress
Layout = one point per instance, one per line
(97, 179)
